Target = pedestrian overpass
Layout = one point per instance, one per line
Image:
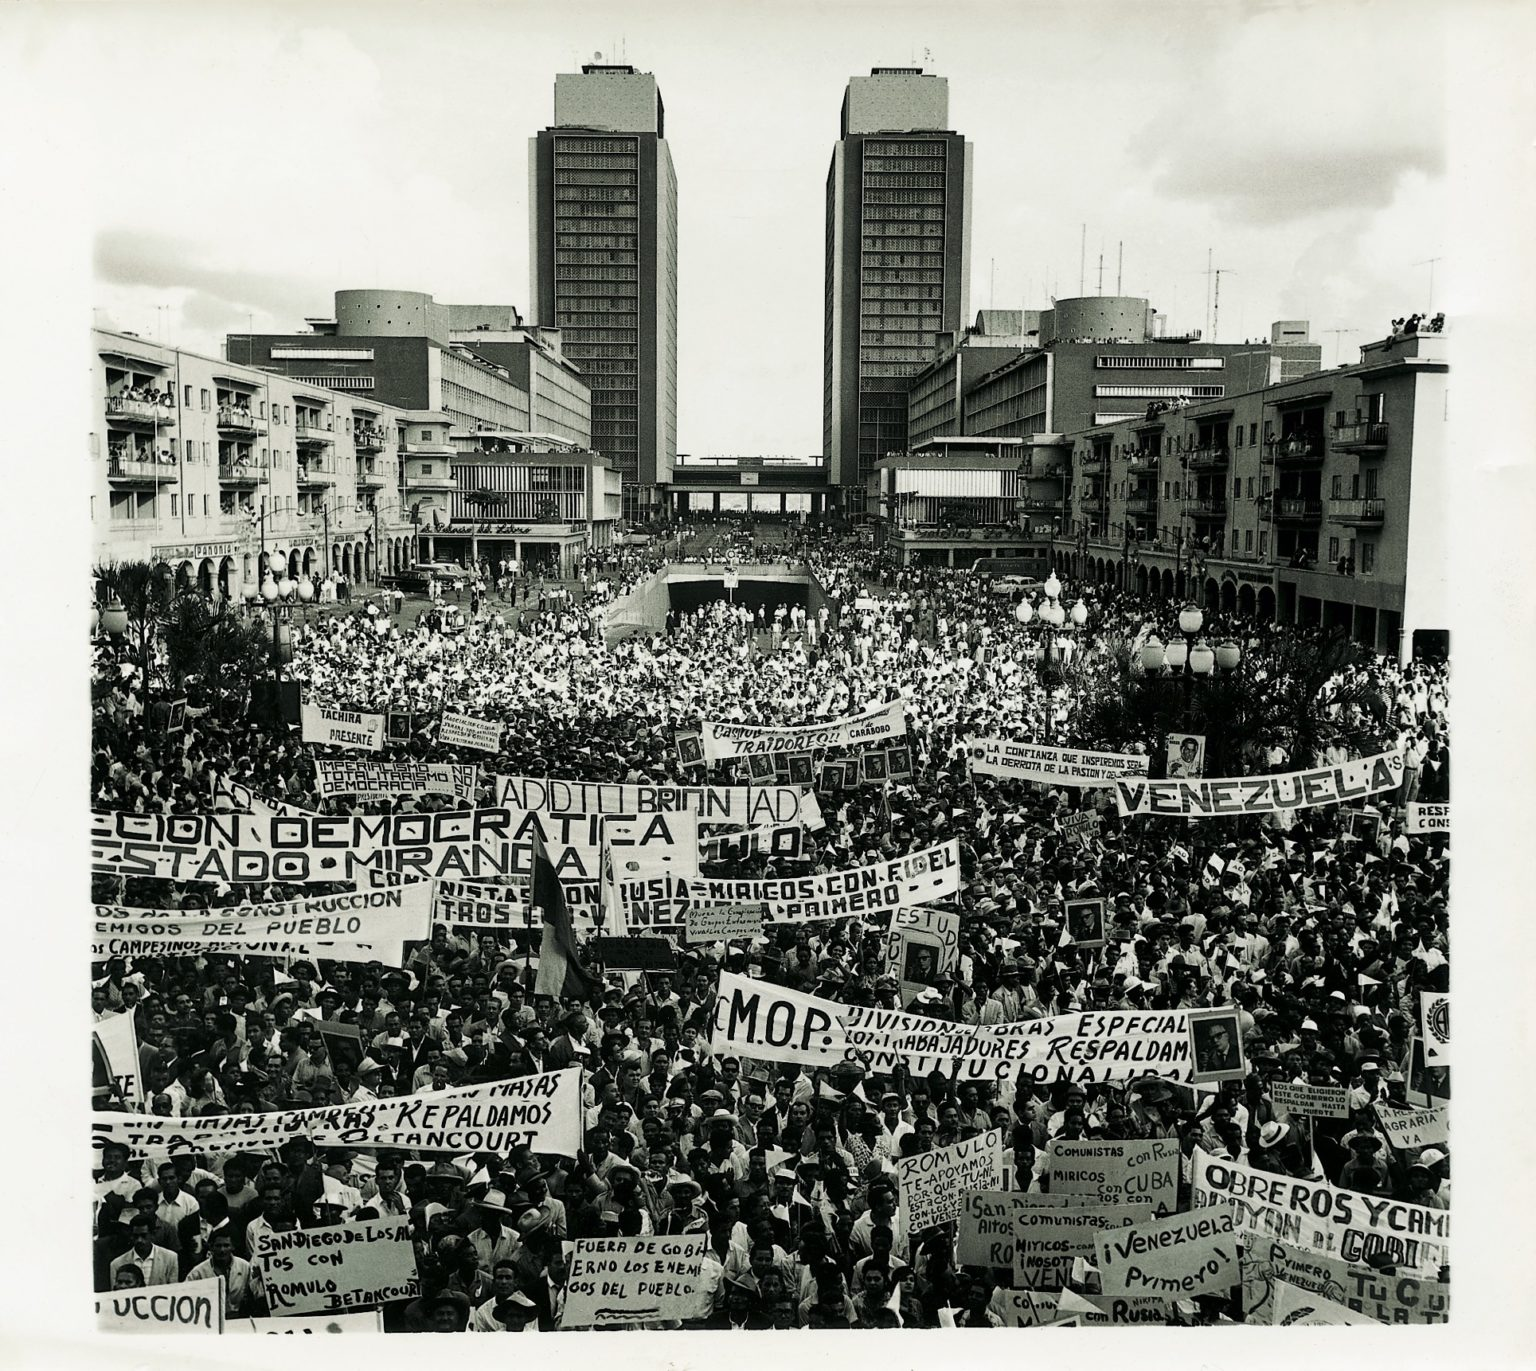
(759, 485)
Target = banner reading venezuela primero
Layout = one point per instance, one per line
(743, 740)
(1321, 785)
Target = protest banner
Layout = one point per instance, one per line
(1317, 1101)
(115, 1059)
(616, 1281)
(1091, 1311)
(1051, 765)
(476, 845)
(1024, 1308)
(1322, 1217)
(741, 843)
(724, 739)
(369, 1321)
(933, 1183)
(1382, 1297)
(358, 925)
(543, 1111)
(1082, 826)
(1047, 1241)
(1172, 1258)
(748, 805)
(661, 904)
(1118, 1171)
(1423, 818)
(984, 1234)
(464, 730)
(1292, 1307)
(350, 1265)
(722, 923)
(776, 1024)
(920, 946)
(472, 906)
(1406, 1128)
(1322, 785)
(191, 1307)
(247, 801)
(333, 727)
(1096, 1045)
(1435, 1027)
(388, 780)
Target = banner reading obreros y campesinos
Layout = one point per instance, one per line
(1321, 785)
(726, 739)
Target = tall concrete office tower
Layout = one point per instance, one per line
(898, 263)
(603, 243)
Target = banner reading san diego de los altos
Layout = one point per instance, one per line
(478, 845)
(742, 740)
(1322, 785)
(543, 1111)
(1053, 765)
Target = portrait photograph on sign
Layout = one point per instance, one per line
(813, 768)
(1216, 1046)
(1186, 755)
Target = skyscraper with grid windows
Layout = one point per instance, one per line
(898, 254)
(603, 270)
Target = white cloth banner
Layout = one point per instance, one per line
(1321, 1217)
(743, 740)
(332, 727)
(542, 1111)
(387, 780)
(464, 730)
(376, 922)
(116, 1065)
(748, 805)
(1052, 765)
(190, 1307)
(1435, 1027)
(1323, 785)
(1426, 818)
(933, 1184)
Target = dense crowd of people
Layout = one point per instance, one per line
(1318, 928)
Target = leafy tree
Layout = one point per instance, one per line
(146, 592)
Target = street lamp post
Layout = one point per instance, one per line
(1190, 657)
(1051, 619)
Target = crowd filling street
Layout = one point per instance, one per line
(1320, 930)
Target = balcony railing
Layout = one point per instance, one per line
(1037, 504)
(1140, 504)
(1144, 461)
(367, 438)
(1209, 459)
(1298, 509)
(245, 473)
(1207, 507)
(312, 433)
(1092, 461)
(132, 469)
(1360, 437)
(1296, 449)
(130, 411)
(316, 473)
(371, 480)
(1357, 513)
(241, 420)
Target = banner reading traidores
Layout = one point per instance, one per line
(662, 903)
(544, 1112)
(378, 921)
(386, 780)
(1322, 785)
(1052, 765)
(745, 740)
(1323, 1218)
(333, 727)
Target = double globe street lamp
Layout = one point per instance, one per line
(1051, 617)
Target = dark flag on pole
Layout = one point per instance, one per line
(560, 970)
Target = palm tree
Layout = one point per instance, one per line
(145, 592)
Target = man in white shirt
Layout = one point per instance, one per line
(244, 1296)
(159, 1265)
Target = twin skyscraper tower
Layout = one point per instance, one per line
(603, 246)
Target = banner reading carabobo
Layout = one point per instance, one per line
(386, 780)
(744, 740)
(1053, 765)
(1323, 785)
(544, 1112)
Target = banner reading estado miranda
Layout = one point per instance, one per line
(1322, 785)
(1052, 765)
(744, 740)
(544, 1112)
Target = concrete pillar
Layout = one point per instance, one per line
(474, 551)
(431, 551)
(783, 503)
(716, 501)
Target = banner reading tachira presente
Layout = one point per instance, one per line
(1322, 785)
(333, 727)
(743, 740)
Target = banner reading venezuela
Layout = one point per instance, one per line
(1322, 785)
(744, 740)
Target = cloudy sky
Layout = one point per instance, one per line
(298, 149)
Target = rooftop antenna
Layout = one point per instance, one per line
(1101, 273)
(1213, 298)
(1336, 332)
(1120, 267)
(1430, 263)
(1082, 260)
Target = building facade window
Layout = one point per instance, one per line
(1368, 557)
